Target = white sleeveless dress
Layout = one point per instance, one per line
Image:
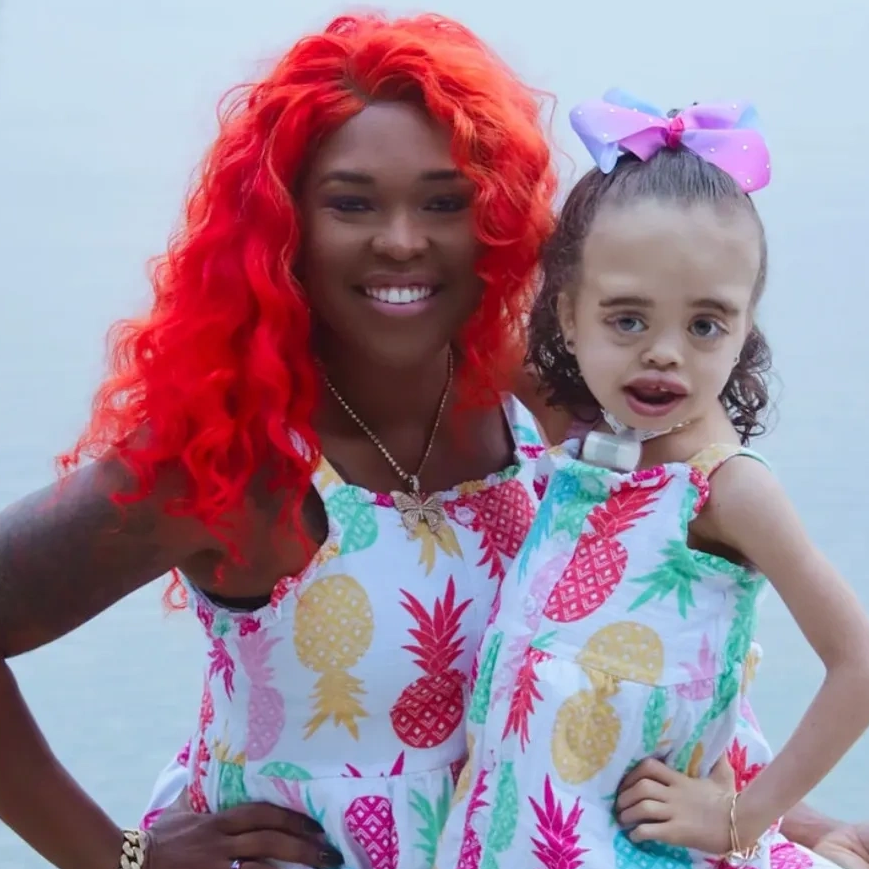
(345, 697)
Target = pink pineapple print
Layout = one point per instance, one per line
(222, 664)
(743, 772)
(695, 475)
(782, 855)
(196, 791)
(291, 794)
(532, 451)
(786, 855)
(430, 709)
(475, 670)
(265, 706)
(747, 713)
(524, 696)
(502, 516)
(206, 709)
(183, 756)
(472, 850)
(544, 580)
(205, 616)
(558, 844)
(202, 757)
(702, 675)
(599, 560)
(371, 822)
(151, 818)
(456, 768)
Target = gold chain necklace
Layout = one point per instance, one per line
(411, 505)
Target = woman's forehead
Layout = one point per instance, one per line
(384, 139)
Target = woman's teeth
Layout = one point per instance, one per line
(398, 295)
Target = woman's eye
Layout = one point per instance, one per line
(448, 203)
(706, 327)
(348, 203)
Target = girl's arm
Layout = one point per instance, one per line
(749, 511)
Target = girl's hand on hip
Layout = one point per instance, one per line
(656, 803)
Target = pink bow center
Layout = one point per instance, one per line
(674, 132)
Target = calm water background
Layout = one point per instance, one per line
(104, 110)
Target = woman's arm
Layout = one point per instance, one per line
(66, 554)
(749, 512)
(806, 826)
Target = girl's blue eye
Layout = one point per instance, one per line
(706, 327)
(626, 323)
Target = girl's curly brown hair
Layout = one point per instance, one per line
(672, 174)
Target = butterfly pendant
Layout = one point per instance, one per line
(414, 508)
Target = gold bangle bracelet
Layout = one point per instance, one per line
(133, 850)
(737, 852)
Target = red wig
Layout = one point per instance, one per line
(220, 373)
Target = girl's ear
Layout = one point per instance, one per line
(566, 309)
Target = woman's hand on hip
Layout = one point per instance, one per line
(248, 836)
(846, 846)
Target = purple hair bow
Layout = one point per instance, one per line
(724, 134)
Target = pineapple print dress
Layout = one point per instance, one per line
(345, 697)
(613, 641)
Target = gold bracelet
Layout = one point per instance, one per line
(133, 849)
(737, 852)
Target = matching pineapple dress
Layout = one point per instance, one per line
(347, 696)
(613, 641)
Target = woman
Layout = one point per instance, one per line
(331, 331)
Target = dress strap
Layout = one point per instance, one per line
(711, 458)
(522, 424)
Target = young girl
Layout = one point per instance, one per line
(625, 623)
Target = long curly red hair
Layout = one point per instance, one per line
(220, 373)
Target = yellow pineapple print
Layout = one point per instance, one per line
(327, 476)
(711, 457)
(445, 540)
(693, 769)
(752, 660)
(333, 630)
(587, 727)
(626, 650)
(464, 781)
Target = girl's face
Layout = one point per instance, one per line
(662, 307)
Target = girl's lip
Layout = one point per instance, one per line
(658, 382)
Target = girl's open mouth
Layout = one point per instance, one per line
(652, 401)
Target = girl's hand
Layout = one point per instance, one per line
(656, 803)
(255, 834)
